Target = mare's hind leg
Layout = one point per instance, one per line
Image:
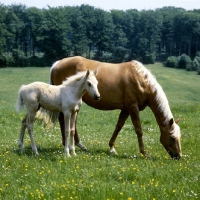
(76, 135)
(62, 127)
(21, 136)
(121, 120)
(134, 113)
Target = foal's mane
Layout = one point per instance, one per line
(161, 99)
(72, 79)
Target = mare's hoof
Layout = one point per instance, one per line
(81, 146)
(146, 155)
(113, 151)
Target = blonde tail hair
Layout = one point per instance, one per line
(20, 102)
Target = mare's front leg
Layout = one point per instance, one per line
(134, 113)
(121, 120)
(22, 132)
(72, 133)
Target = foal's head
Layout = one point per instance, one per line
(91, 84)
(171, 139)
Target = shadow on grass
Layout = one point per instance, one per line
(107, 153)
(54, 154)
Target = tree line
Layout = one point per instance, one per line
(30, 36)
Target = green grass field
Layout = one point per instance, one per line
(96, 174)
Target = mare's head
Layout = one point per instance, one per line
(91, 84)
(171, 139)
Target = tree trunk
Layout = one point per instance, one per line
(189, 45)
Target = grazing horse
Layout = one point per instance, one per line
(65, 98)
(129, 87)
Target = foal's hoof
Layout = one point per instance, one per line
(72, 152)
(21, 150)
(81, 146)
(36, 153)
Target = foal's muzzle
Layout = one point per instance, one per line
(96, 97)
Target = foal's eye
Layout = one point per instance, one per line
(89, 84)
(173, 139)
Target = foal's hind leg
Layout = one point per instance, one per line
(21, 137)
(30, 121)
(121, 120)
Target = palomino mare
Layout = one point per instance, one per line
(129, 87)
(66, 98)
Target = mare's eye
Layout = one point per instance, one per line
(89, 84)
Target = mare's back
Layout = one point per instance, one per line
(71, 66)
(108, 74)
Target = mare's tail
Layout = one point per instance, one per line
(20, 102)
(54, 64)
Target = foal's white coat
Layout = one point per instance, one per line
(66, 98)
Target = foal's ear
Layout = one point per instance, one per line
(96, 72)
(87, 73)
(178, 120)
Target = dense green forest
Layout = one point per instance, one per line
(30, 36)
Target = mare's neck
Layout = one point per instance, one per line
(160, 107)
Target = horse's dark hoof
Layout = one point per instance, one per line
(81, 146)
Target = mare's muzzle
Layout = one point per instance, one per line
(175, 156)
(96, 97)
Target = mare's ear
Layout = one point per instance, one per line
(171, 121)
(87, 73)
(96, 72)
(178, 120)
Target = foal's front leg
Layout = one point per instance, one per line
(72, 133)
(76, 135)
(67, 132)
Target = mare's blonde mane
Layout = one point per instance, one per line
(160, 98)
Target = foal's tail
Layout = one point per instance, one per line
(20, 102)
